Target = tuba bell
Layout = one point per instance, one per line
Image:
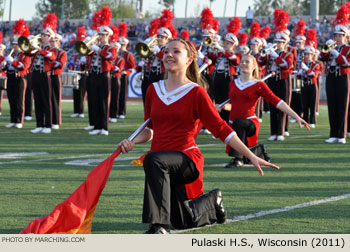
(26, 44)
(83, 48)
(263, 52)
(144, 48)
(327, 48)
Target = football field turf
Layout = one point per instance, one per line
(39, 171)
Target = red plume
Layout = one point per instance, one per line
(216, 25)
(0, 37)
(234, 26)
(81, 34)
(254, 30)
(280, 19)
(106, 16)
(300, 28)
(311, 38)
(123, 30)
(153, 28)
(21, 28)
(243, 39)
(206, 19)
(265, 32)
(115, 36)
(167, 17)
(343, 15)
(173, 31)
(50, 21)
(96, 20)
(185, 35)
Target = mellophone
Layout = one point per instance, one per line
(71, 79)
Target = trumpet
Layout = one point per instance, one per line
(83, 48)
(263, 52)
(26, 45)
(327, 48)
(144, 48)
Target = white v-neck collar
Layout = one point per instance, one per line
(174, 95)
(240, 85)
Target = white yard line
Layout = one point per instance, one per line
(274, 211)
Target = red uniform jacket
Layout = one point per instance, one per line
(60, 61)
(343, 60)
(129, 62)
(21, 64)
(233, 59)
(148, 62)
(312, 73)
(284, 62)
(49, 55)
(117, 67)
(107, 54)
(2, 58)
(293, 51)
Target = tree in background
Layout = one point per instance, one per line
(72, 8)
(120, 9)
(1, 8)
(262, 8)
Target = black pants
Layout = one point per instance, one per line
(79, 95)
(115, 97)
(16, 88)
(56, 82)
(166, 173)
(148, 79)
(122, 95)
(1, 94)
(309, 93)
(42, 90)
(28, 97)
(220, 91)
(297, 103)
(278, 119)
(90, 87)
(337, 89)
(102, 89)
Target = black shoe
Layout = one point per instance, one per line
(158, 229)
(266, 156)
(219, 206)
(234, 163)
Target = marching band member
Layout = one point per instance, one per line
(100, 62)
(244, 94)
(152, 67)
(16, 68)
(337, 57)
(2, 73)
(279, 61)
(225, 61)
(78, 63)
(129, 68)
(41, 66)
(296, 101)
(308, 72)
(243, 41)
(174, 168)
(28, 101)
(56, 80)
(116, 70)
(320, 73)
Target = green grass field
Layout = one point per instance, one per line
(55, 165)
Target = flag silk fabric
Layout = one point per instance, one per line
(74, 215)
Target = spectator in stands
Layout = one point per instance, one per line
(249, 15)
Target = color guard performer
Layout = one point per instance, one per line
(56, 80)
(16, 67)
(116, 70)
(128, 68)
(43, 54)
(337, 55)
(100, 62)
(308, 73)
(278, 60)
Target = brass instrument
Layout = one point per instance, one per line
(263, 52)
(327, 48)
(26, 45)
(144, 48)
(208, 41)
(83, 48)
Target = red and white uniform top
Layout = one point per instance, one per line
(117, 66)
(20, 63)
(129, 62)
(342, 60)
(282, 65)
(155, 62)
(311, 75)
(185, 107)
(102, 61)
(244, 97)
(60, 61)
(42, 59)
(2, 73)
(227, 61)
